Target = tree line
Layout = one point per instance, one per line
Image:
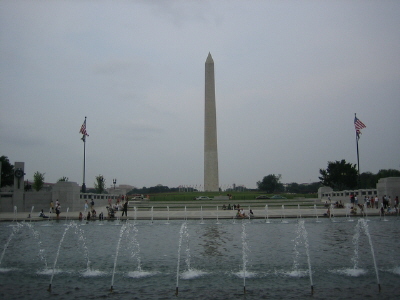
(339, 175)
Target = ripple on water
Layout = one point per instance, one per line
(5, 270)
(350, 272)
(248, 274)
(141, 274)
(93, 273)
(192, 274)
(49, 271)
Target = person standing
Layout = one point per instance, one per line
(58, 210)
(125, 209)
(86, 207)
(352, 199)
(51, 207)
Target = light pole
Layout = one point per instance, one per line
(114, 182)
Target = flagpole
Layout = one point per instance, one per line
(84, 162)
(358, 157)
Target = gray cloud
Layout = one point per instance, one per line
(289, 78)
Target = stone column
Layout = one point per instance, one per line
(389, 186)
(211, 181)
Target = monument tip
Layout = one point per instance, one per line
(209, 58)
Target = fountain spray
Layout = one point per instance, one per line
(121, 233)
(168, 215)
(14, 231)
(245, 249)
(15, 214)
(266, 214)
(85, 248)
(66, 215)
(183, 228)
(30, 216)
(55, 261)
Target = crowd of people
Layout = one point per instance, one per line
(53, 209)
(386, 205)
(240, 213)
(90, 214)
(111, 209)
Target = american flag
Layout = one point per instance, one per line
(83, 130)
(358, 125)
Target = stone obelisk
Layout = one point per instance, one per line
(211, 182)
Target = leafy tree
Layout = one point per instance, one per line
(293, 188)
(38, 180)
(100, 184)
(303, 188)
(271, 184)
(63, 179)
(387, 173)
(339, 175)
(7, 172)
(369, 180)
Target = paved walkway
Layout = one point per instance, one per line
(181, 214)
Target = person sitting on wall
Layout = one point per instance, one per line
(94, 214)
(80, 216)
(238, 213)
(88, 216)
(361, 208)
(382, 210)
(111, 212)
(41, 214)
(328, 213)
(101, 216)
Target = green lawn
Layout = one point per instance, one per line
(187, 196)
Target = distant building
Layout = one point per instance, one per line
(121, 189)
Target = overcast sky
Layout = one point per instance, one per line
(289, 77)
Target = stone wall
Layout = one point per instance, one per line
(67, 193)
(389, 186)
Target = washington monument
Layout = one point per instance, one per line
(211, 182)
